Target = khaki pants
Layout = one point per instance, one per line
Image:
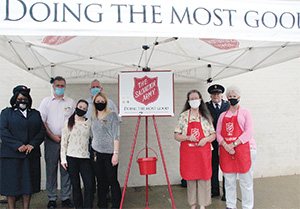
(203, 188)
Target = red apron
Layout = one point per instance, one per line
(195, 161)
(240, 162)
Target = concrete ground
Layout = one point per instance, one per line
(270, 193)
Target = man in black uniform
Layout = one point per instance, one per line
(216, 106)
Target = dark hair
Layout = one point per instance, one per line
(71, 120)
(57, 78)
(21, 89)
(202, 108)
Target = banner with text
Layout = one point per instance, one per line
(146, 93)
(227, 19)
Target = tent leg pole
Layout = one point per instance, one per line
(164, 163)
(130, 161)
(146, 146)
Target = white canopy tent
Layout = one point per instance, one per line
(60, 41)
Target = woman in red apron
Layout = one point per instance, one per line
(195, 131)
(237, 150)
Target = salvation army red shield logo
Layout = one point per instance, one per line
(229, 128)
(145, 90)
(223, 44)
(196, 133)
(57, 40)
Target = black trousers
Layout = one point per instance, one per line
(107, 174)
(215, 191)
(83, 167)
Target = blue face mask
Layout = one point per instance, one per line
(95, 91)
(59, 91)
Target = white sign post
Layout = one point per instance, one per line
(146, 93)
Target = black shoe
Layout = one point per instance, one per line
(51, 204)
(183, 183)
(215, 195)
(223, 198)
(108, 198)
(67, 203)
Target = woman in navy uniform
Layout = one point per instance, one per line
(22, 131)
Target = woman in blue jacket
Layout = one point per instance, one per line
(22, 131)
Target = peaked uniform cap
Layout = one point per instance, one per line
(216, 88)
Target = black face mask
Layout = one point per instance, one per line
(233, 102)
(100, 106)
(79, 112)
(22, 105)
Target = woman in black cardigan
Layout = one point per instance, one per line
(22, 131)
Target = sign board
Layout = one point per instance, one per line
(221, 19)
(146, 93)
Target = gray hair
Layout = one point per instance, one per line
(233, 89)
(96, 80)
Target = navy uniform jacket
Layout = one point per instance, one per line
(16, 130)
(215, 115)
(215, 153)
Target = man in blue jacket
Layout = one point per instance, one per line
(216, 106)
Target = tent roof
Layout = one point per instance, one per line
(81, 59)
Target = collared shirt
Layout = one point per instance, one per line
(23, 112)
(215, 104)
(111, 106)
(182, 125)
(55, 112)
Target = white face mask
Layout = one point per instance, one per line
(23, 106)
(194, 103)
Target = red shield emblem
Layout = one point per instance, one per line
(57, 40)
(145, 90)
(196, 133)
(229, 128)
(223, 44)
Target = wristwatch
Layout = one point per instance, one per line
(235, 144)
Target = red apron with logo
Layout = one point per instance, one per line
(240, 162)
(195, 161)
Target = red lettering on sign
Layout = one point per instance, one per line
(145, 90)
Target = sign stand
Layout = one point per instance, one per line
(146, 147)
